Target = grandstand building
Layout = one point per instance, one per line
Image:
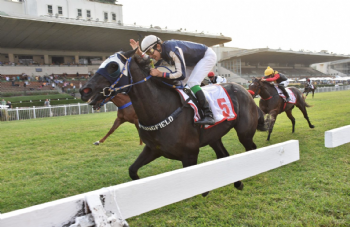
(41, 37)
(241, 65)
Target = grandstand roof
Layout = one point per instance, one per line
(267, 55)
(50, 33)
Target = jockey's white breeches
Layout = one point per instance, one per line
(201, 70)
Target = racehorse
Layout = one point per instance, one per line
(176, 137)
(308, 89)
(126, 113)
(272, 104)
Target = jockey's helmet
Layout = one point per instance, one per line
(269, 71)
(211, 74)
(148, 43)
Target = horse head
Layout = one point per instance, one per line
(109, 71)
(255, 87)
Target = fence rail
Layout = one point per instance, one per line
(337, 136)
(123, 201)
(52, 111)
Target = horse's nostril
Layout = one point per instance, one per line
(87, 90)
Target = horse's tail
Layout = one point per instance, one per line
(261, 121)
(303, 102)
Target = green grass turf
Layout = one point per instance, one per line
(51, 158)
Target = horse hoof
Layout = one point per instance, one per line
(312, 126)
(97, 143)
(239, 185)
(205, 194)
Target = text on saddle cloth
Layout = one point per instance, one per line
(219, 101)
(290, 93)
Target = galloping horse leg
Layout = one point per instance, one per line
(190, 159)
(221, 152)
(137, 127)
(144, 158)
(272, 122)
(292, 119)
(116, 124)
(219, 149)
(303, 110)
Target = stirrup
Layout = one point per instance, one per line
(205, 121)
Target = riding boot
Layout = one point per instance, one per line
(284, 92)
(204, 105)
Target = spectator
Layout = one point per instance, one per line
(9, 104)
(13, 81)
(7, 78)
(53, 85)
(77, 74)
(3, 102)
(73, 88)
(47, 102)
(80, 85)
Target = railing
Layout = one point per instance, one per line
(329, 89)
(52, 111)
(137, 197)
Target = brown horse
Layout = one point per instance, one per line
(168, 129)
(126, 114)
(272, 104)
(308, 89)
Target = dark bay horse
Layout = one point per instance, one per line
(308, 89)
(180, 139)
(126, 114)
(272, 104)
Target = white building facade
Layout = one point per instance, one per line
(77, 9)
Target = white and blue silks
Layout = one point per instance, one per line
(193, 61)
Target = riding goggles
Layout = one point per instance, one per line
(150, 51)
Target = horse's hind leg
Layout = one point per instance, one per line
(219, 149)
(273, 118)
(146, 156)
(221, 152)
(116, 124)
(292, 119)
(303, 110)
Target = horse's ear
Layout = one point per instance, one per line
(129, 53)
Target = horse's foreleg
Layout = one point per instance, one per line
(137, 127)
(146, 156)
(116, 124)
(292, 119)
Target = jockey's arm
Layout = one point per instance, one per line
(274, 78)
(174, 75)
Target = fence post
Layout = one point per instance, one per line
(105, 107)
(79, 107)
(17, 113)
(50, 111)
(65, 110)
(34, 112)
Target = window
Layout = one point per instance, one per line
(79, 13)
(106, 16)
(60, 12)
(49, 9)
(114, 17)
(88, 13)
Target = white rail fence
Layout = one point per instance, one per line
(337, 137)
(111, 206)
(52, 111)
(329, 89)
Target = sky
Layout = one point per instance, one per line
(310, 25)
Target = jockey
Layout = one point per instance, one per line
(215, 79)
(280, 79)
(309, 83)
(192, 61)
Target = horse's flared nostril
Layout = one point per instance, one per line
(87, 90)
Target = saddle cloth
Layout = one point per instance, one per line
(291, 95)
(220, 103)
